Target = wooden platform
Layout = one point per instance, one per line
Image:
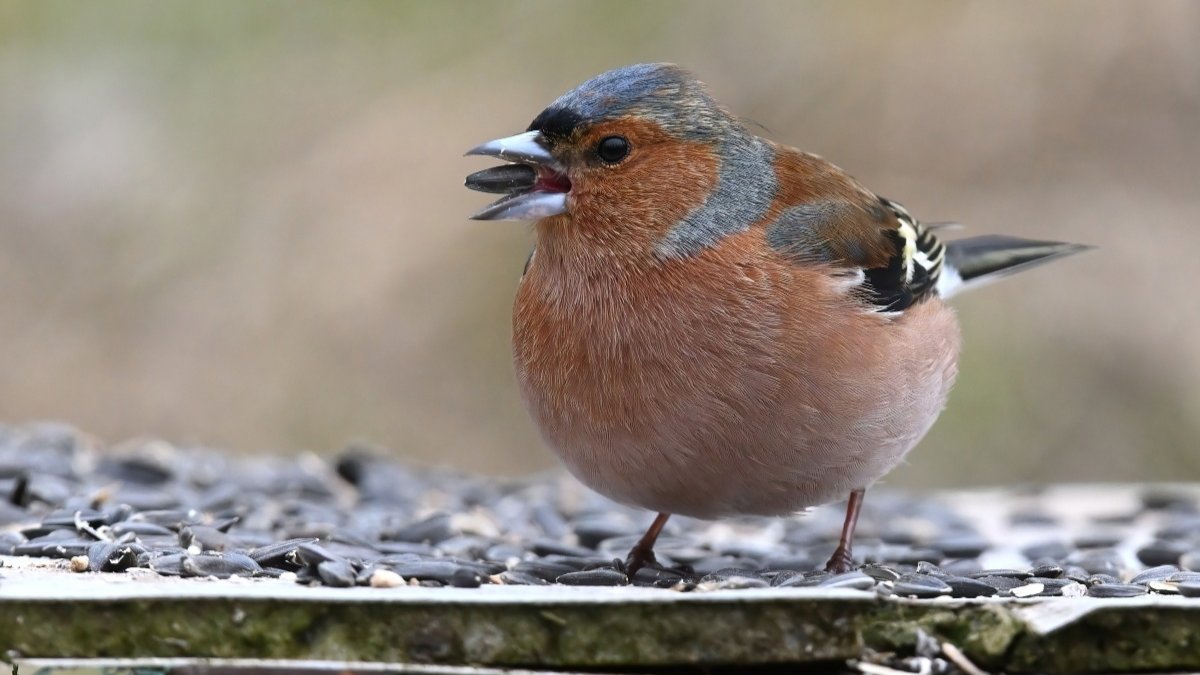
(46, 611)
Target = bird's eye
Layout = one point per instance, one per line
(612, 149)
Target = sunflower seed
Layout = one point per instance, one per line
(1116, 590)
(597, 577)
(921, 586)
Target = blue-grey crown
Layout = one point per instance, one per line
(662, 92)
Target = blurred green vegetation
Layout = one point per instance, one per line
(242, 223)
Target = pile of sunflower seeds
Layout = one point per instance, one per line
(360, 519)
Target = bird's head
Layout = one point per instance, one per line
(640, 146)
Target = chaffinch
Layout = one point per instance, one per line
(712, 324)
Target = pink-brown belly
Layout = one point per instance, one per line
(727, 400)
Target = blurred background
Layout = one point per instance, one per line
(242, 224)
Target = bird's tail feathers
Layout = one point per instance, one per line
(974, 261)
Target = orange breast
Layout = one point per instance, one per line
(728, 382)
(624, 351)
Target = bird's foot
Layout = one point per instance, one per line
(642, 553)
(665, 573)
(842, 561)
(640, 558)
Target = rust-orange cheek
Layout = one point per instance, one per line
(649, 194)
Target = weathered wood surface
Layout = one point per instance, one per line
(47, 612)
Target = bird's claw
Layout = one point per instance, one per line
(841, 561)
(639, 558)
(633, 564)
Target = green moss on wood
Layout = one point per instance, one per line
(566, 634)
(737, 630)
(1118, 639)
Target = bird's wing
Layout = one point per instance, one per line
(912, 272)
(899, 258)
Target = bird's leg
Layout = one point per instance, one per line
(643, 552)
(843, 559)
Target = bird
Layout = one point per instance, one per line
(712, 324)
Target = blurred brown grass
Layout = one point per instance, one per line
(242, 224)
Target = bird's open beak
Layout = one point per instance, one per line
(534, 185)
